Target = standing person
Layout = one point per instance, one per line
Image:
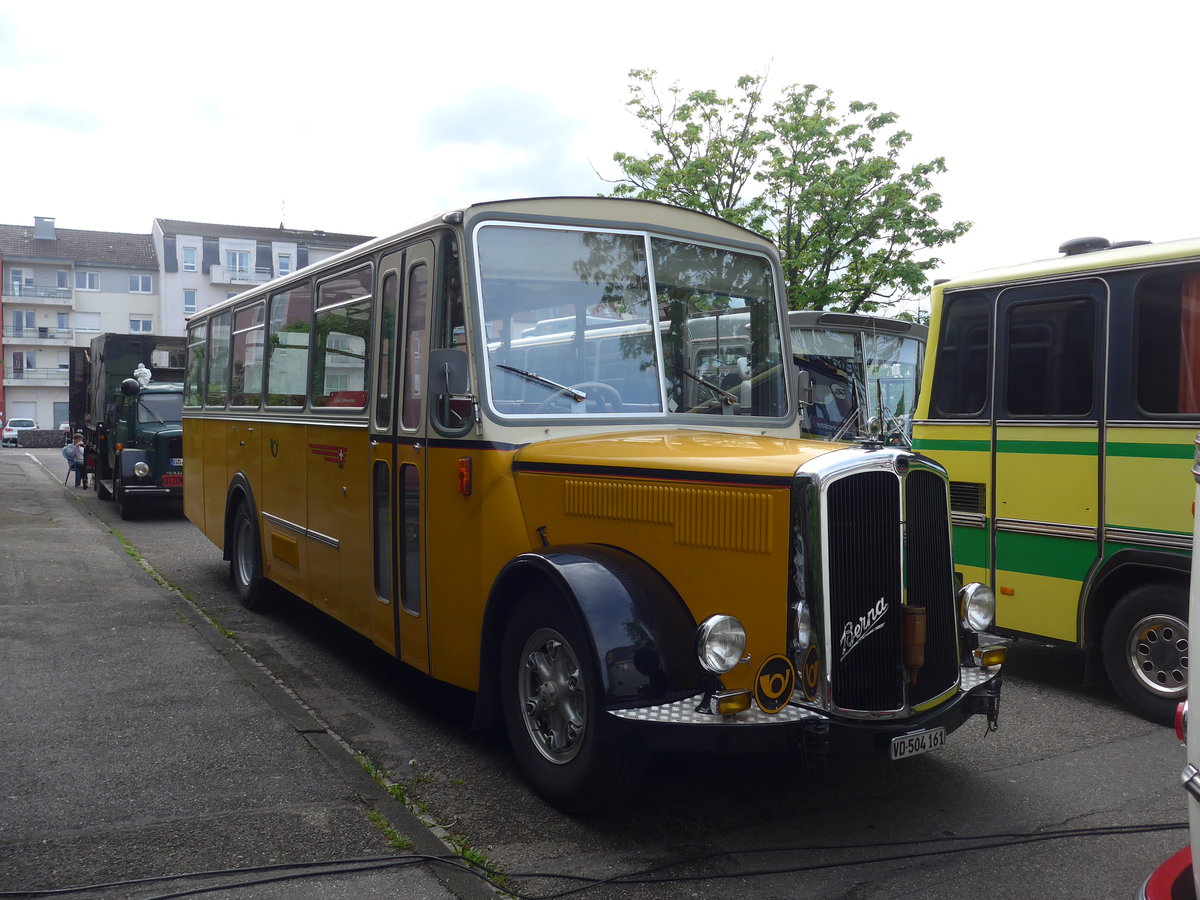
(79, 459)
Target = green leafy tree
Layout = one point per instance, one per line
(851, 222)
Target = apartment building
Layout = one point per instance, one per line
(60, 287)
(203, 263)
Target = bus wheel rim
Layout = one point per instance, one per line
(552, 699)
(1157, 652)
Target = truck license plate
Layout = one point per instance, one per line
(177, 480)
(919, 742)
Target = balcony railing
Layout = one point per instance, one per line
(47, 377)
(38, 295)
(38, 335)
(238, 275)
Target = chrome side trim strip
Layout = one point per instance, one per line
(301, 530)
(1148, 538)
(969, 520)
(1047, 529)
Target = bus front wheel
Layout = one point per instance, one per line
(553, 711)
(245, 560)
(1146, 650)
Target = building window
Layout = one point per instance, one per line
(237, 263)
(87, 321)
(189, 301)
(140, 284)
(136, 325)
(87, 281)
(285, 264)
(61, 280)
(63, 321)
(229, 294)
(189, 259)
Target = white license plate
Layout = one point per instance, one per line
(175, 462)
(919, 742)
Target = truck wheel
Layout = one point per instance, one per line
(245, 561)
(553, 711)
(1145, 646)
(126, 507)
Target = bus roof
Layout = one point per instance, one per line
(1113, 257)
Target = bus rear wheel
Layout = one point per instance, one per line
(553, 711)
(1145, 647)
(245, 560)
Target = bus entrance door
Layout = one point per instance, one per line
(1047, 497)
(399, 621)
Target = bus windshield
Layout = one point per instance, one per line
(608, 323)
(855, 371)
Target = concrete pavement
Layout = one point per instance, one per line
(137, 741)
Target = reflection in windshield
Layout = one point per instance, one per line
(855, 371)
(635, 327)
(160, 408)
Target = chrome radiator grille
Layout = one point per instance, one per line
(885, 534)
(863, 531)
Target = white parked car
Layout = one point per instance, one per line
(13, 428)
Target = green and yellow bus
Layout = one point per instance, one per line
(549, 450)
(1062, 397)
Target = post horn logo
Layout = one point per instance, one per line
(774, 684)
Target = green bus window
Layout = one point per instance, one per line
(1167, 343)
(960, 379)
(1050, 358)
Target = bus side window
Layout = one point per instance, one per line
(218, 368)
(1167, 343)
(960, 379)
(287, 345)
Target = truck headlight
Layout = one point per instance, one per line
(803, 634)
(976, 606)
(720, 643)
(140, 469)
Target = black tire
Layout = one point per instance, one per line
(553, 706)
(1145, 645)
(126, 507)
(245, 560)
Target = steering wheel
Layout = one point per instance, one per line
(607, 394)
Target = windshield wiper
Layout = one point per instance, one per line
(729, 398)
(577, 396)
(146, 407)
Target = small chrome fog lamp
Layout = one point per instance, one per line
(140, 469)
(976, 606)
(804, 632)
(720, 643)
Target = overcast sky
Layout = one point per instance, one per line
(1056, 119)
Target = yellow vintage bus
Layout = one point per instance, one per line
(1062, 399)
(519, 448)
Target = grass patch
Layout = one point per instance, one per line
(395, 839)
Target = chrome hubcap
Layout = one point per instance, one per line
(1158, 654)
(553, 701)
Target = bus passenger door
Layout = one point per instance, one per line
(1048, 411)
(398, 439)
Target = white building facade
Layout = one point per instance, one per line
(59, 288)
(204, 263)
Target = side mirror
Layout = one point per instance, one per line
(448, 371)
(130, 387)
(804, 389)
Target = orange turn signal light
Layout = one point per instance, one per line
(990, 656)
(731, 703)
(464, 476)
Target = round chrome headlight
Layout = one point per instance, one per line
(976, 606)
(140, 469)
(720, 643)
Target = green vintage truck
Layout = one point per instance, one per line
(126, 399)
